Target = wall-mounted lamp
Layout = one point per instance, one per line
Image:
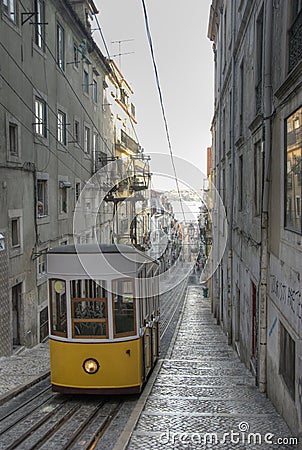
(64, 184)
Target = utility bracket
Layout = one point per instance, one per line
(25, 17)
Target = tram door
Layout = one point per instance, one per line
(148, 350)
(154, 308)
(148, 360)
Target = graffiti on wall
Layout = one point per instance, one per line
(286, 295)
(273, 326)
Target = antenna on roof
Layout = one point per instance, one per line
(119, 42)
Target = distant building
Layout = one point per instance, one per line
(256, 168)
(209, 161)
(130, 195)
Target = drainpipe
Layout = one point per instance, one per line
(231, 187)
(267, 110)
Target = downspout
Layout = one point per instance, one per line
(267, 110)
(231, 218)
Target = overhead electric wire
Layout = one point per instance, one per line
(161, 101)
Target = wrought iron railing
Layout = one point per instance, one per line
(129, 142)
(259, 97)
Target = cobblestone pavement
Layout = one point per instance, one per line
(23, 368)
(202, 387)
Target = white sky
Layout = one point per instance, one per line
(184, 60)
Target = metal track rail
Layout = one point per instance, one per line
(37, 418)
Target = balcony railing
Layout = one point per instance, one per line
(259, 97)
(128, 142)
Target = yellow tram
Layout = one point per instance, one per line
(103, 318)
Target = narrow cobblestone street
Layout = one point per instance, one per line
(203, 392)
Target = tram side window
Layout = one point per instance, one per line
(89, 309)
(124, 308)
(58, 307)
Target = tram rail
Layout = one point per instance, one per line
(38, 418)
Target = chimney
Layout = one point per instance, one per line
(85, 9)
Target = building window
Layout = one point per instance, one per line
(13, 139)
(43, 324)
(259, 62)
(240, 183)
(40, 23)
(225, 36)
(77, 190)
(9, 7)
(241, 104)
(223, 188)
(87, 139)
(62, 127)
(42, 198)
(76, 131)
(16, 314)
(86, 82)
(287, 360)
(41, 264)
(15, 232)
(257, 177)
(40, 124)
(95, 91)
(63, 200)
(295, 34)
(95, 144)
(75, 56)
(132, 110)
(60, 47)
(293, 170)
(223, 134)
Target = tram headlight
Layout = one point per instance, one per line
(91, 366)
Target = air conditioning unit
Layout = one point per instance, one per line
(64, 184)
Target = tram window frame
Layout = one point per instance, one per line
(126, 333)
(54, 332)
(75, 321)
(142, 296)
(82, 288)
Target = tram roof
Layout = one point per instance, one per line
(97, 249)
(92, 248)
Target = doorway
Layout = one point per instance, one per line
(16, 313)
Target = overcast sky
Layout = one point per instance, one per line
(185, 65)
